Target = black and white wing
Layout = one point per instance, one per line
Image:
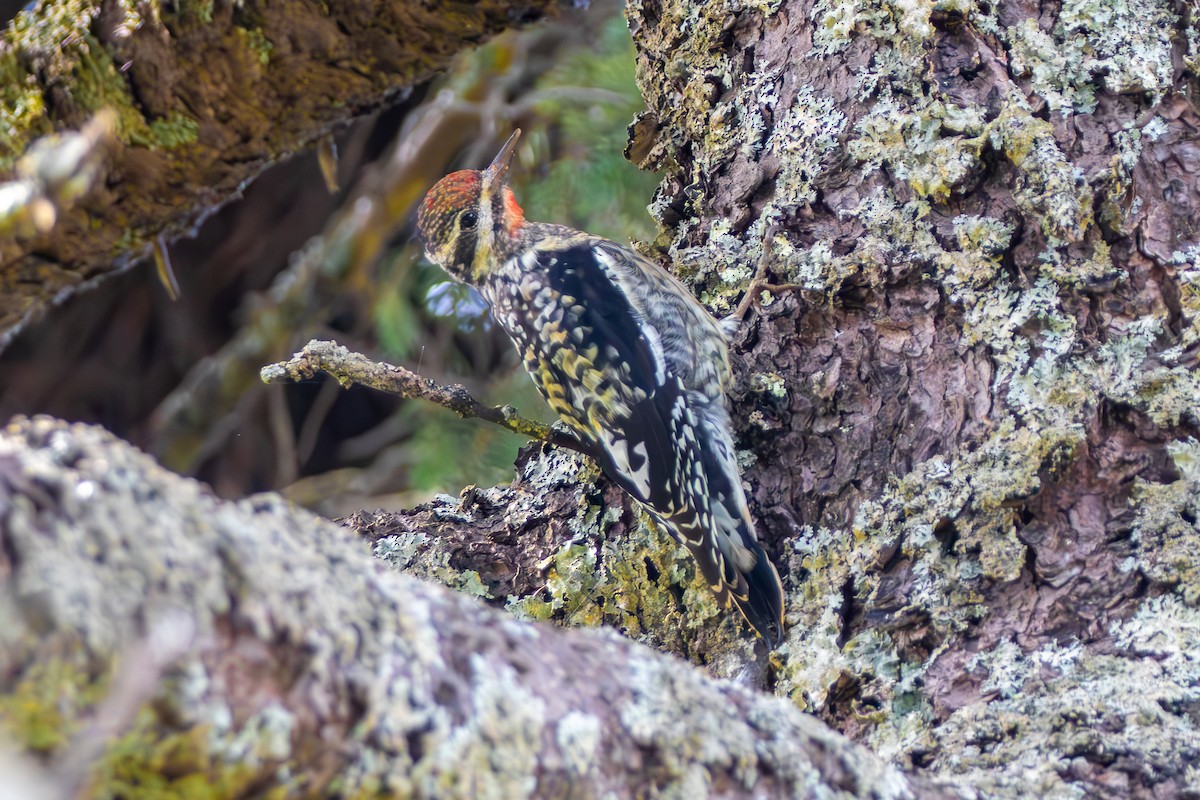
(617, 368)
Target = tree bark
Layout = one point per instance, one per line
(207, 95)
(255, 649)
(973, 436)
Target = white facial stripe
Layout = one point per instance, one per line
(487, 237)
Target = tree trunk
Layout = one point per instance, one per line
(972, 431)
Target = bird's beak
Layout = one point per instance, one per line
(493, 176)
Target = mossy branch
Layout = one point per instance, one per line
(345, 678)
(354, 368)
(188, 138)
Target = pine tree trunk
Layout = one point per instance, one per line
(973, 429)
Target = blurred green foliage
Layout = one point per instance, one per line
(586, 181)
(449, 453)
(571, 171)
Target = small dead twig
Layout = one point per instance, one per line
(350, 368)
(758, 285)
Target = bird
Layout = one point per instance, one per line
(630, 361)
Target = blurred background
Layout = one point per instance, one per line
(293, 260)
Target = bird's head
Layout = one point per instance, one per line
(466, 214)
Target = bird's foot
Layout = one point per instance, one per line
(758, 285)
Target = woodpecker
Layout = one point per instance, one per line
(629, 360)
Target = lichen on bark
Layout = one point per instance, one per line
(970, 470)
(303, 666)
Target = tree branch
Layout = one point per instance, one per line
(351, 368)
(311, 666)
(189, 136)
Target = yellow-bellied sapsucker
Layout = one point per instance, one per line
(630, 361)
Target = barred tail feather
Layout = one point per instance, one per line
(763, 604)
(755, 590)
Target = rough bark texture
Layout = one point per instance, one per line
(305, 666)
(972, 439)
(207, 94)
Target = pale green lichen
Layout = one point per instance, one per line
(1064, 83)
(1165, 527)
(1115, 185)
(494, 754)
(968, 497)
(571, 578)
(1129, 372)
(418, 554)
(769, 383)
(648, 586)
(262, 740)
(258, 43)
(1007, 667)
(1169, 631)
(1186, 457)
(836, 21)
(807, 140)
(1077, 704)
(982, 243)
(985, 235)
(1119, 46)
(1096, 269)
(1187, 273)
(814, 660)
(804, 138)
(723, 255)
(766, 8)
(912, 141)
(1049, 187)
(895, 235)
(578, 736)
(655, 717)
(1116, 45)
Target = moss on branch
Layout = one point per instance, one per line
(206, 95)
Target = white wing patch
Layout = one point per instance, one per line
(653, 338)
(618, 450)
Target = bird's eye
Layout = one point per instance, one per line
(468, 219)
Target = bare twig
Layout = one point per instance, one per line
(758, 285)
(198, 417)
(351, 368)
